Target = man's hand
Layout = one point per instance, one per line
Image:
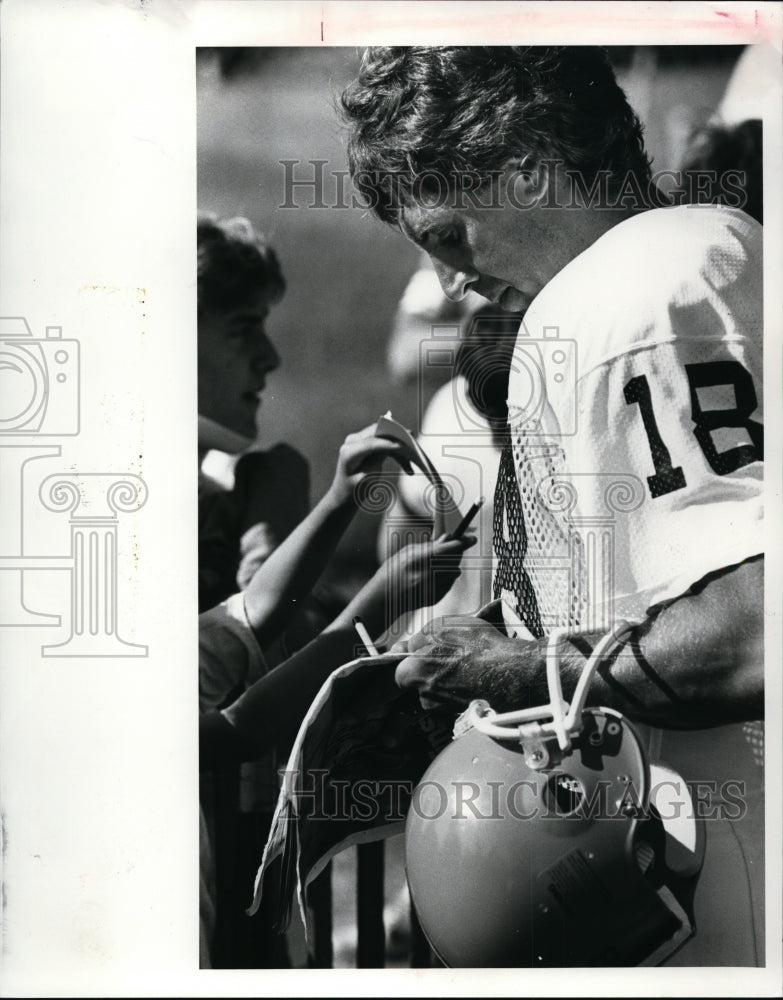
(456, 659)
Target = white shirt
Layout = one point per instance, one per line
(630, 370)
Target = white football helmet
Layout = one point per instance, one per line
(543, 838)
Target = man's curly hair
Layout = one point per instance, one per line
(468, 110)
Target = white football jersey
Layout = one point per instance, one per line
(635, 408)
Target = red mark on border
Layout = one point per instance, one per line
(735, 19)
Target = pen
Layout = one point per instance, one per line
(461, 528)
(364, 635)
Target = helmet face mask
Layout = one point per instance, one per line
(522, 852)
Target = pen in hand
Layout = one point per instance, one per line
(462, 527)
(364, 635)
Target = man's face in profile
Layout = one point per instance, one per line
(492, 247)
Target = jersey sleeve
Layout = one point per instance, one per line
(678, 491)
(636, 417)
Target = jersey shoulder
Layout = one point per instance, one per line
(690, 272)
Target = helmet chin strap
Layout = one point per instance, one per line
(556, 720)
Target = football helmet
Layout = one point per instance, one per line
(541, 838)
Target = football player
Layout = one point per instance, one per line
(631, 486)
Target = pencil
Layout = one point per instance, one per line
(461, 528)
(364, 635)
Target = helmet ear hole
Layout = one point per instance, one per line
(564, 794)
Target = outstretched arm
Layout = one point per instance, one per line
(271, 709)
(419, 575)
(697, 663)
(290, 572)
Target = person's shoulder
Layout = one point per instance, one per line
(285, 455)
(710, 221)
(672, 243)
(441, 412)
(694, 253)
(272, 461)
(706, 224)
(624, 290)
(451, 414)
(273, 486)
(655, 256)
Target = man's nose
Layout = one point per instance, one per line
(266, 358)
(456, 282)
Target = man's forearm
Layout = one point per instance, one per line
(370, 604)
(700, 661)
(695, 664)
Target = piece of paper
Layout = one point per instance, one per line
(446, 514)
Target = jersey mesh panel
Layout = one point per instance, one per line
(540, 556)
(510, 545)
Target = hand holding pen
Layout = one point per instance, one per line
(421, 574)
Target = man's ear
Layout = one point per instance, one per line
(529, 175)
